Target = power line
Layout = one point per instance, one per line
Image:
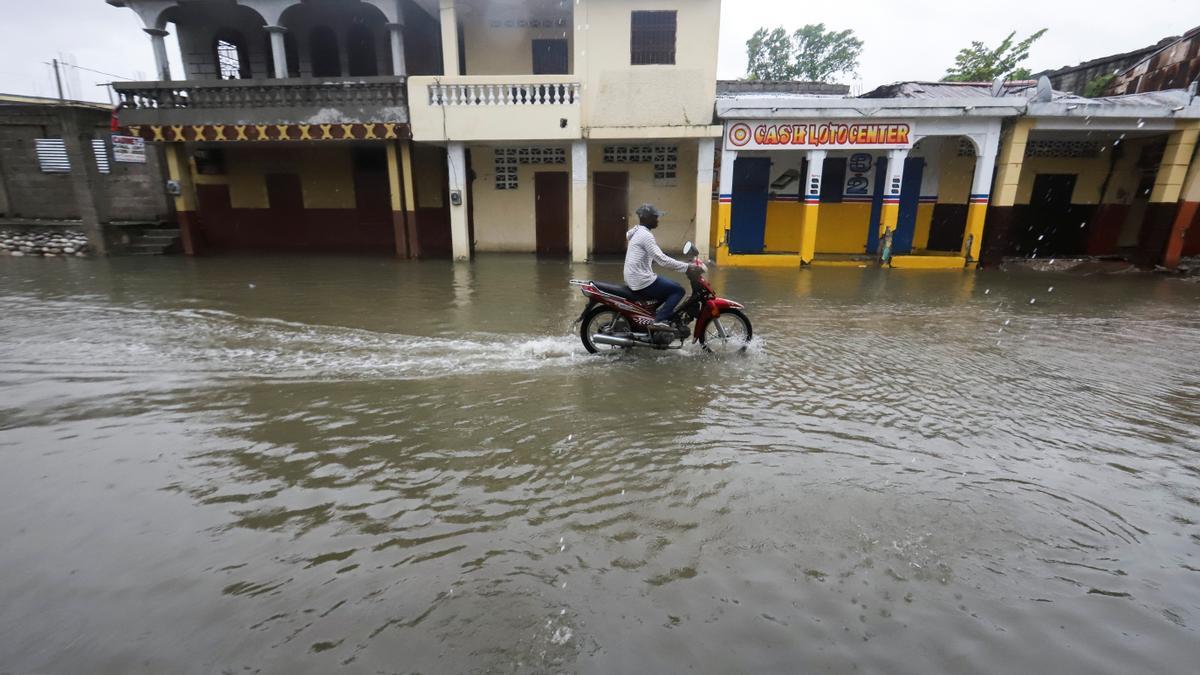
(98, 72)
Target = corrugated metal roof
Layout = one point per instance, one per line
(958, 90)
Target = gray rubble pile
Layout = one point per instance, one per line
(48, 244)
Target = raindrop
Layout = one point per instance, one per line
(570, 437)
(622, 492)
(251, 285)
(1050, 290)
(1116, 142)
(561, 612)
(1052, 261)
(1007, 321)
(564, 584)
(987, 291)
(1040, 237)
(1000, 330)
(562, 548)
(997, 343)
(1141, 123)
(1083, 224)
(1032, 300)
(560, 539)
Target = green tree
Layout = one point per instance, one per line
(810, 53)
(770, 55)
(979, 63)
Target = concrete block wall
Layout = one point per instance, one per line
(136, 191)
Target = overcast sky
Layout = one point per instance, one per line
(913, 40)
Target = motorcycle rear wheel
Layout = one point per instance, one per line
(729, 333)
(602, 319)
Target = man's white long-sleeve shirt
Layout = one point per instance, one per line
(639, 258)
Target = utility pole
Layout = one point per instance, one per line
(58, 80)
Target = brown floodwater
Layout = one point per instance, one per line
(294, 464)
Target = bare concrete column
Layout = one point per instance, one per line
(449, 18)
(91, 194)
(579, 201)
(158, 41)
(396, 31)
(460, 234)
(278, 50)
(706, 148)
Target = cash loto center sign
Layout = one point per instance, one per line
(814, 135)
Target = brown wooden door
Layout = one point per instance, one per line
(610, 212)
(284, 192)
(552, 212)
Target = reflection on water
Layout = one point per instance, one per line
(313, 465)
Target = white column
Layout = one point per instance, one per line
(725, 197)
(812, 205)
(278, 50)
(396, 30)
(985, 163)
(460, 236)
(580, 233)
(162, 66)
(705, 149)
(812, 181)
(449, 18)
(895, 173)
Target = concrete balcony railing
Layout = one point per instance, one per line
(487, 108)
(288, 101)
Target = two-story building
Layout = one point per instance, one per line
(559, 117)
(431, 127)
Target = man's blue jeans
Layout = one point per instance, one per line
(669, 292)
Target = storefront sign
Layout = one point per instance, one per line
(129, 149)
(822, 135)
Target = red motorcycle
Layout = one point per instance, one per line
(618, 318)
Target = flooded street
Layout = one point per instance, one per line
(289, 465)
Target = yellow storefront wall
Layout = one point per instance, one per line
(326, 175)
(841, 228)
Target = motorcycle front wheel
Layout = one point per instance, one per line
(602, 320)
(729, 333)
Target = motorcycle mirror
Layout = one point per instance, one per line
(687, 248)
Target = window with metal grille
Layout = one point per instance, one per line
(1064, 149)
(100, 150)
(652, 38)
(229, 60)
(966, 148)
(52, 155)
(664, 157)
(508, 159)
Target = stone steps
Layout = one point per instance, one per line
(154, 241)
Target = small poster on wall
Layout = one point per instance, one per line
(129, 149)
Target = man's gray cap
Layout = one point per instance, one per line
(649, 210)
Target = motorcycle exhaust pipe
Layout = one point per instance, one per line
(614, 341)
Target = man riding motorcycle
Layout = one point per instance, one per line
(642, 253)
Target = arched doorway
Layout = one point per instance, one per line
(323, 49)
(360, 50)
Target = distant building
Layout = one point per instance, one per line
(1096, 72)
(36, 172)
(1171, 63)
(1172, 66)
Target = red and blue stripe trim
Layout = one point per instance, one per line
(979, 199)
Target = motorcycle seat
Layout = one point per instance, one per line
(619, 290)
